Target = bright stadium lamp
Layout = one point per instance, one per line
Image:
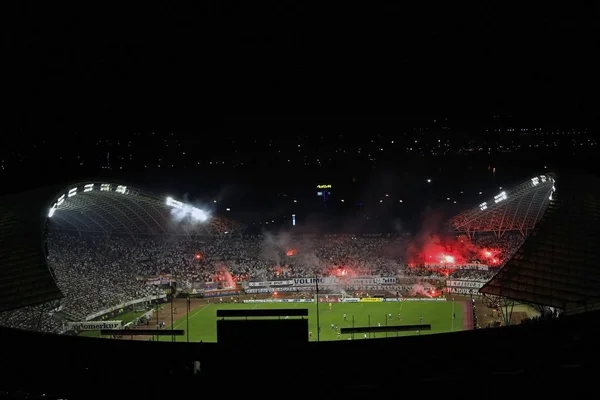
(181, 210)
(198, 214)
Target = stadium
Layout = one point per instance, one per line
(86, 259)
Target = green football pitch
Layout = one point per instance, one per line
(443, 316)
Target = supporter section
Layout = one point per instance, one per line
(95, 272)
(105, 208)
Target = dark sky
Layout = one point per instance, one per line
(166, 66)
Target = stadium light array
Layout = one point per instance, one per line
(500, 197)
(182, 210)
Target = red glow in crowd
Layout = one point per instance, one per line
(450, 252)
(291, 252)
(490, 256)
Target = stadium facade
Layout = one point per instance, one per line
(558, 265)
(556, 268)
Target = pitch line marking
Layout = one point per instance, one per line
(191, 315)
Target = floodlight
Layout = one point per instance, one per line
(198, 214)
(52, 210)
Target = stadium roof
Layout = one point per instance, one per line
(518, 209)
(559, 263)
(25, 277)
(119, 209)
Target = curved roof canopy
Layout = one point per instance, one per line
(516, 210)
(118, 209)
(558, 265)
(25, 277)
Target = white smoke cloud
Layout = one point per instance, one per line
(420, 289)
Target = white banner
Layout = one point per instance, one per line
(271, 283)
(350, 300)
(274, 289)
(336, 281)
(465, 284)
(480, 267)
(463, 290)
(95, 325)
(423, 299)
(330, 280)
(390, 288)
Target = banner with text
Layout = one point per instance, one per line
(381, 288)
(424, 299)
(279, 301)
(463, 290)
(94, 325)
(219, 293)
(330, 299)
(465, 284)
(289, 282)
(340, 281)
(258, 290)
(371, 300)
(480, 267)
(350, 300)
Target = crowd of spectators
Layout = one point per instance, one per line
(98, 272)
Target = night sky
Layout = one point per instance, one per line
(124, 68)
(279, 96)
